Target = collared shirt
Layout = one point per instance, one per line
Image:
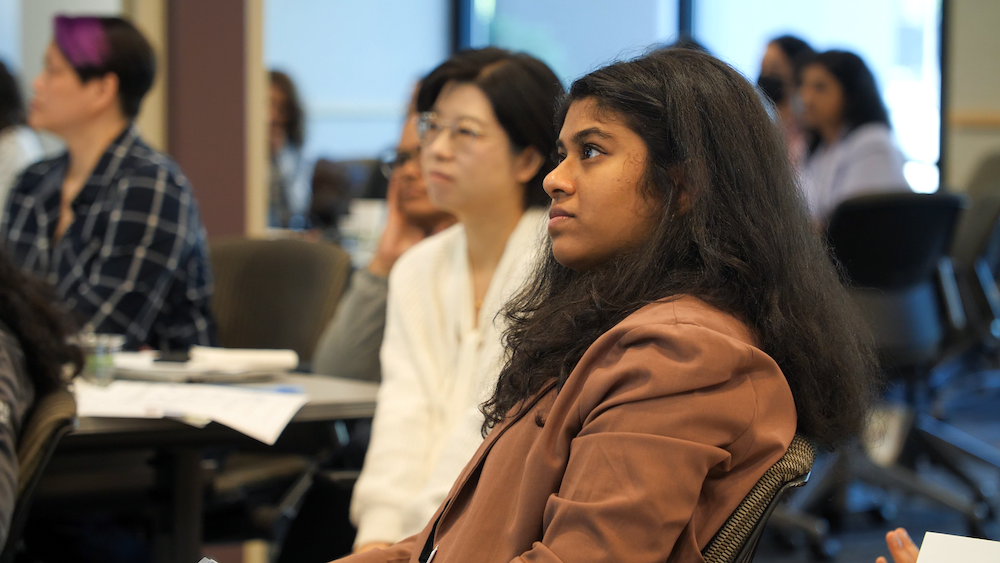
(863, 161)
(134, 261)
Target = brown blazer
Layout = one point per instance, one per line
(660, 431)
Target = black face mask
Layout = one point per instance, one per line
(772, 87)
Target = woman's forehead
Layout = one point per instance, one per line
(459, 100)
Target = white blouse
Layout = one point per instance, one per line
(864, 161)
(438, 366)
(19, 147)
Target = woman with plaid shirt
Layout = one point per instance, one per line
(111, 223)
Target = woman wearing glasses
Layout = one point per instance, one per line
(485, 137)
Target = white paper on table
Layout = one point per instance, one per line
(259, 413)
(944, 548)
(205, 359)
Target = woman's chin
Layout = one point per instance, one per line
(569, 260)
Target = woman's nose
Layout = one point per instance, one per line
(558, 182)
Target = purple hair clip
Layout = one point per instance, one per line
(82, 40)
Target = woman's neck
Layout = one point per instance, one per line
(831, 133)
(787, 115)
(486, 236)
(87, 145)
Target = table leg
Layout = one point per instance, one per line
(187, 505)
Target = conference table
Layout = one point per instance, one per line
(182, 446)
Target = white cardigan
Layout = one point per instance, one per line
(437, 368)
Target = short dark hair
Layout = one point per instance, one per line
(733, 231)
(523, 92)
(11, 105)
(862, 101)
(97, 46)
(295, 128)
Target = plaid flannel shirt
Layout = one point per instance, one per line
(134, 261)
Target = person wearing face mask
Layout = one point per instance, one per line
(111, 223)
(683, 325)
(779, 74)
(349, 346)
(485, 137)
(851, 151)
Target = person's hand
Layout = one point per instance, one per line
(901, 547)
(399, 235)
(372, 545)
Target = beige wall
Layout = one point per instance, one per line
(973, 88)
(150, 16)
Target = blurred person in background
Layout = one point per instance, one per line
(33, 349)
(19, 145)
(779, 78)
(111, 223)
(486, 135)
(851, 150)
(289, 181)
(349, 347)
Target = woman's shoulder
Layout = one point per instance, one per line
(677, 346)
(677, 313)
(143, 162)
(870, 136)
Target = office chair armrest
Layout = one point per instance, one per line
(988, 285)
(952, 297)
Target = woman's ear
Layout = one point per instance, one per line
(104, 92)
(527, 163)
(682, 195)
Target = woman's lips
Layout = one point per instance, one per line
(558, 215)
(438, 177)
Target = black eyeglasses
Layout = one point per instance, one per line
(391, 160)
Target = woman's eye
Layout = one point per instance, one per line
(467, 132)
(589, 151)
(558, 157)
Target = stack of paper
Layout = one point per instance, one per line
(206, 364)
(259, 413)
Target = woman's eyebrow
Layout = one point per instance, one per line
(462, 117)
(581, 136)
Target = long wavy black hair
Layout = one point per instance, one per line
(862, 101)
(30, 310)
(733, 231)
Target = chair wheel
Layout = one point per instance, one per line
(825, 550)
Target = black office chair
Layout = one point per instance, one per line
(52, 417)
(736, 541)
(894, 252)
(976, 254)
